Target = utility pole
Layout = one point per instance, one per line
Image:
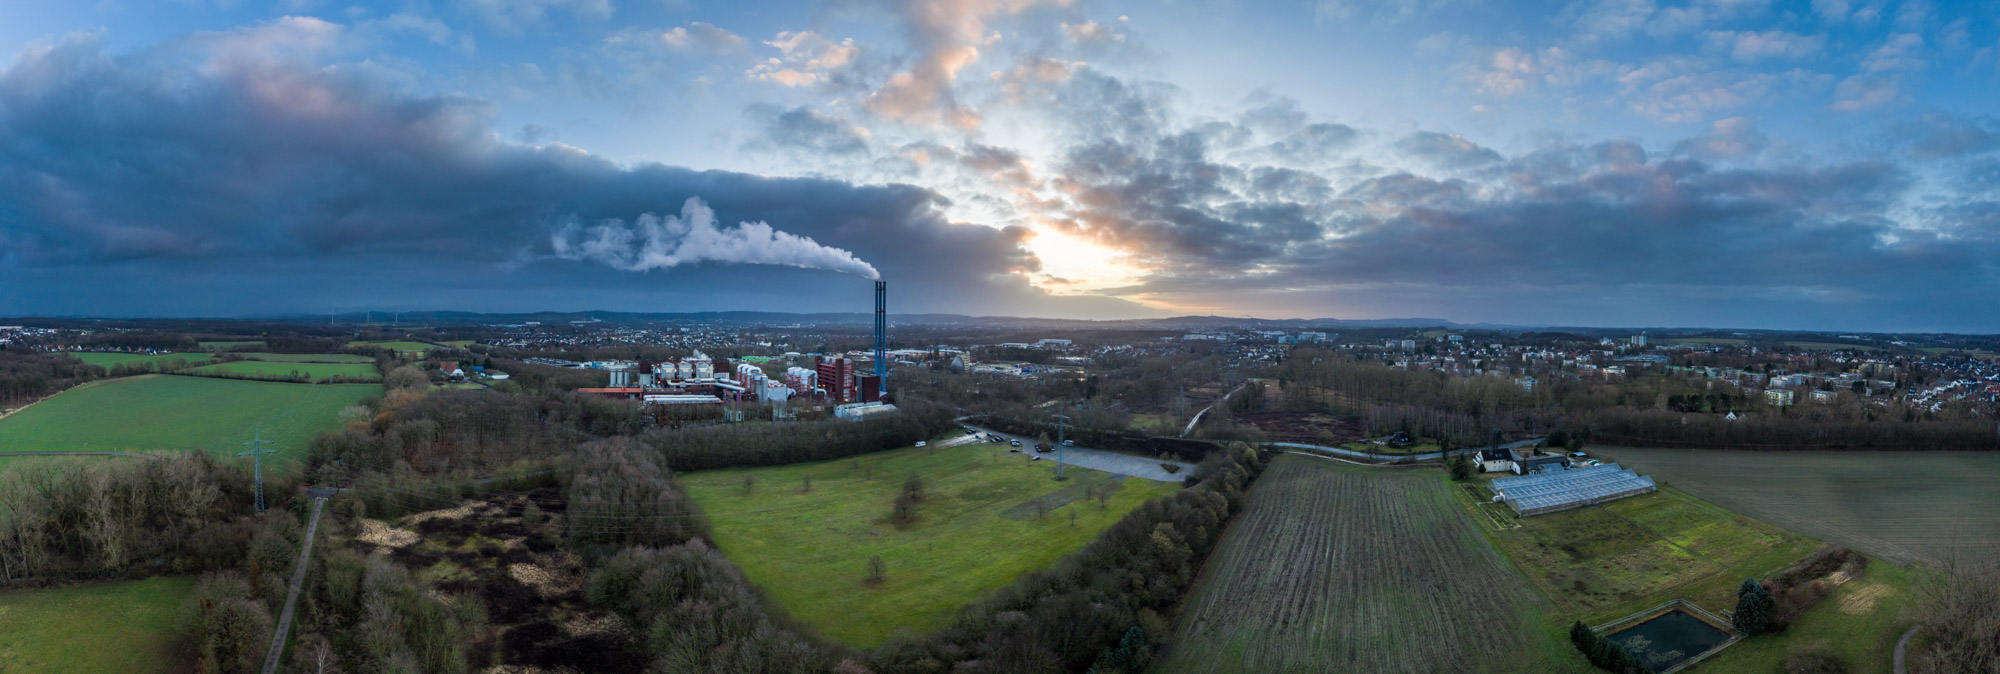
(1062, 422)
(256, 454)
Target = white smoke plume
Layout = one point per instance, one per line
(654, 242)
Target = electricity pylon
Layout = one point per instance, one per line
(256, 454)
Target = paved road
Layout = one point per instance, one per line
(1902, 651)
(292, 599)
(1397, 457)
(1098, 459)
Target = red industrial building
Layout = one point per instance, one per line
(836, 375)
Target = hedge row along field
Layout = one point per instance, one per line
(1337, 568)
(1898, 506)
(173, 412)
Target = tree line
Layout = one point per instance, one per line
(72, 517)
(29, 375)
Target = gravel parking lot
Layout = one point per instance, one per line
(1109, 462)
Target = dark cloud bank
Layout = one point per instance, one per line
(183, 181)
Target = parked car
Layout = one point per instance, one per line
(1013, 451)
(1069, 443)
(921, 443)
(1017, 443)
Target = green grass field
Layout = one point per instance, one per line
(173, 412)
(308, 357)
(1338, 568)
(396, 346)
(1857, 622)
(1599, 563)
(100, 627)
(1890, 505)
(975, 532)
(110, 360)
(318, 372)
(1832, 346)
(227, 345)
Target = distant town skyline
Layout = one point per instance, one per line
(1823, 165)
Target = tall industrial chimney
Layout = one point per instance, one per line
(881, 338)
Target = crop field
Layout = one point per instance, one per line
(123, 626)
(1898, 506)
(1338, 568)
(174, 412)
(308, 357)
(978, 529)
(317, 372)
(1599, 563)
(110, 360)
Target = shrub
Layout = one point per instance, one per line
(1813, 660)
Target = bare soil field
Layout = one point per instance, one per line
(1335, 568)
(1898, 506)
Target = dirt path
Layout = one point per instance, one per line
(1902, 651)
(292, 598)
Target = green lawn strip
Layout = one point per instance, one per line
(810, 550)
(308, 357)
(278, 370)
(125, 626)
(1857, 622)
(170, 412)
(110, 360)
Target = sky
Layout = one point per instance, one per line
(1822, 165)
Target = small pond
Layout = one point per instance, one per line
(1670, 639)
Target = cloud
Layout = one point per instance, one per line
(1938, 136)
(809, 132)
(652, 242)
(1091, 32)
(510, 17)
(1900, 52)
(1509, 70)
(806, 58)
(1861, 92)
(694, 37)
(947, 36)
(1731, 138)
(1446, 150)
(1754, 46)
